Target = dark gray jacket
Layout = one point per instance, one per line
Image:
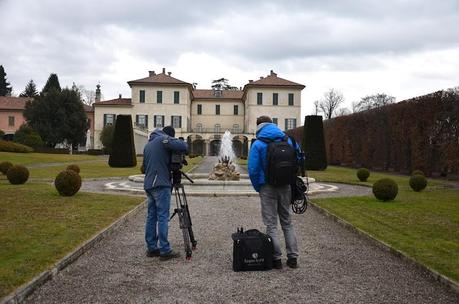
(157, 157)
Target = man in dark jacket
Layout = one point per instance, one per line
(275, 201)
(157, 185)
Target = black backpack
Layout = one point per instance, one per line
(282, 164)
(252, 250)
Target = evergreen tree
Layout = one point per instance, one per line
(52, 83)
(57, 117)
(30, 90)
(5, 88)
(122, 152)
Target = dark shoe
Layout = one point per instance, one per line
(292, 263)
(170, 255)
(277, 264)
(152, 254)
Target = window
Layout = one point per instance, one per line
(159, 96)
(199, 109)
(275, 120)
(236, 128)
(290, 99)
(141, 120)
(217, 128)
(11, 121)
(217, 109)
(259, 98)
(176, 97)
(236, 110)
(290, 123)
(176, 121)
(109, 119)
(159, 121)
(142, 96)
(199, 127)
(275, 99)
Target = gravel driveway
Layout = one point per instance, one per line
(336, 266)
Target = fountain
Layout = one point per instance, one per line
(225, 168)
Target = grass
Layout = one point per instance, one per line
(33, 158)
(38, 227)
(424, 225)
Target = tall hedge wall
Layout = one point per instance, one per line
(420, 133)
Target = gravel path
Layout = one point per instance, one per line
(336, 266)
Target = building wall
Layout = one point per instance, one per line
(281, 111)
(208, 119)
(4, 121)
(99, 112)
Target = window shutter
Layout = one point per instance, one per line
(154, 121)
(286, 124)
(164, 122)
(146, 121)
(105, 120)
(180, 121)
(137, 119)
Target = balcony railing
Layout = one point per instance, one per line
(217, 130)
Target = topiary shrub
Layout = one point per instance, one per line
(314, 143)
(123, 149)
(142, 169)
(17, 174)
(67, 183)
(418, 182)
(2, 134)
(385, 189)
(9, 146)
(4, 166)
(73, 167)
(418, 172)
(363, 174)
(25, 135)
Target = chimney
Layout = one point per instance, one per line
(120, 96)
(164, 70)
(98, 94)
(151, 73)
(261, 77)
(169, 73)
(272, 73)
(250, 81)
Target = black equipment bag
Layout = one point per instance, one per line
(282, 163)
(252, 250)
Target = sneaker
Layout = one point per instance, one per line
(277, 264)
(152, 254)
(170, 255)
(292, 263)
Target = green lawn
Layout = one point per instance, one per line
(38, 227)
(33, 158)
(424, 225)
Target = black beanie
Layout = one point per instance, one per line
(169, 131)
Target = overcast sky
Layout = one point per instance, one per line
(404, 48)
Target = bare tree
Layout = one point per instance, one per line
(88, 97)
(330, 103)
(343, 111)
(373, 101)
(316, 107)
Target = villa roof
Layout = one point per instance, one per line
(273, 80)
(13, 103)
(210, 94)
(161, 78)
(114, 102)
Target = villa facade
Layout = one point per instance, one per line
(202, 116)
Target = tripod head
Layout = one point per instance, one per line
(177, 177)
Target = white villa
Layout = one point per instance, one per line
(201, 116)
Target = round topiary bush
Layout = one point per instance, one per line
(363, 174)
(385, 189)
(67, 183)
(418, 172)
(418, 182)
(142, 169)
(75, 168)
(4, 166)
(17, 174)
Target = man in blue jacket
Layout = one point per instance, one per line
(157, 185)
(275, 201)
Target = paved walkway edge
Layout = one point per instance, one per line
(22, 292)
(433, 273)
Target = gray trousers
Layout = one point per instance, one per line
(275, 202)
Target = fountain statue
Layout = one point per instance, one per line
(225, 168)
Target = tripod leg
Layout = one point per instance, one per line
(188, 219)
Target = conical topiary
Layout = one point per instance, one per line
(314, 143)
(123, 150)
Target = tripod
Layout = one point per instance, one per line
(183, 212)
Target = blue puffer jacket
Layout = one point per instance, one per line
(258, 162)
(157, 157)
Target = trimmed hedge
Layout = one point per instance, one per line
(4, 166)
(123, 149)
(74, 167)
(385, 189)
(363, 174)
(67, 183)
(418, 182)
(418, 172)
(17, 174)
(9, 146)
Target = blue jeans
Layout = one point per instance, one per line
(157, 225)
